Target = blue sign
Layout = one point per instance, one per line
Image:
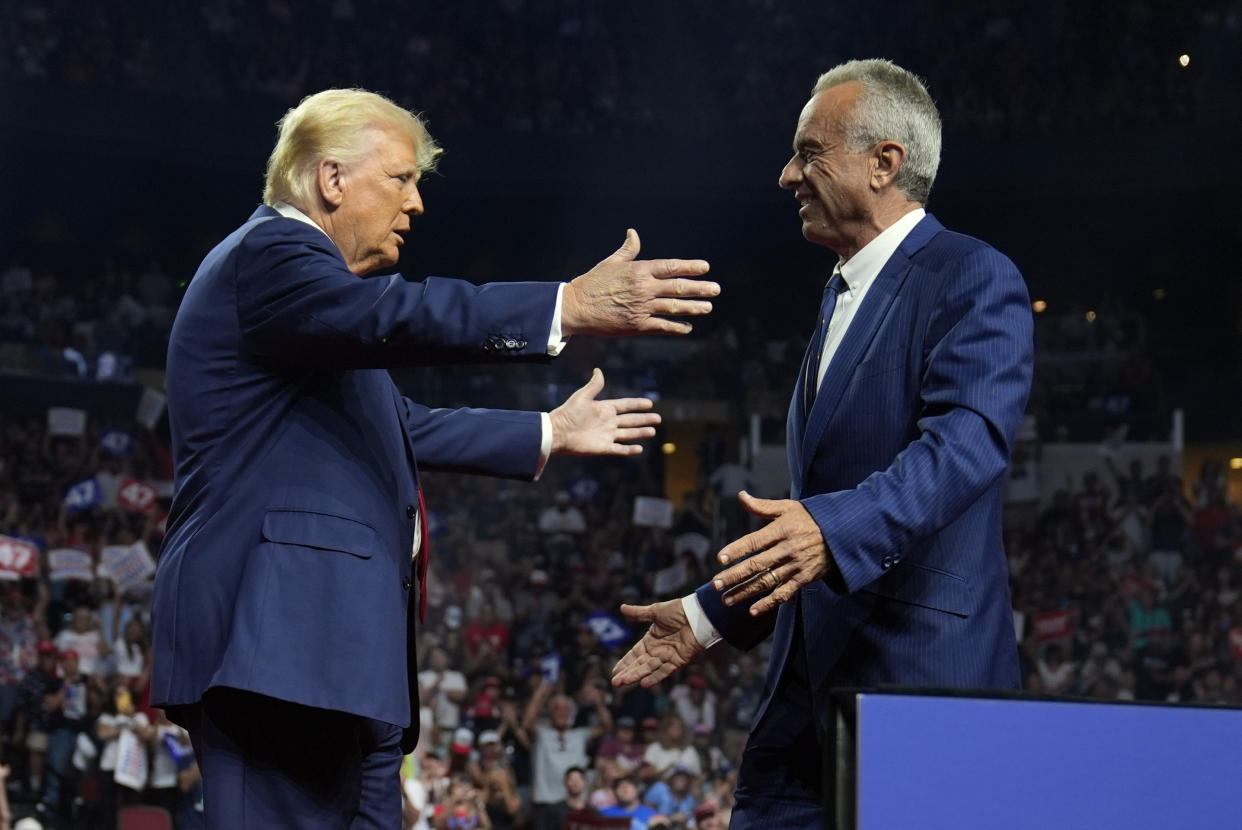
(608, 629)
(115, 442)
(82, 496)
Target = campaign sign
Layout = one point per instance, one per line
(668, 580)
(1053, 625)
(150, 407)
(82, 496)
(116, 442)
(18, 558)
(70, 563)
(126, 565)
(136, 496)
(652, 512)
(62, 420)
(608, 629)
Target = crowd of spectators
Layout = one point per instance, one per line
(92, 326)
(580, 67)
(1127, 585)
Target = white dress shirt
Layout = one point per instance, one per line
(858, 273)
(555, 344)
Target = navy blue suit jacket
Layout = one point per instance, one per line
(286, 569)
(901, 463)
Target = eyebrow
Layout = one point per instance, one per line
(801, 144)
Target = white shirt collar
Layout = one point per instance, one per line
(290, 212)
(866, 265)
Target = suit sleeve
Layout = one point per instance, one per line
(493, 442)
(298, 304)
(975, 383)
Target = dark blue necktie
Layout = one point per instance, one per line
(810, 383)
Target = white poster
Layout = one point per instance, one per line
(653, 512)
(65, 421)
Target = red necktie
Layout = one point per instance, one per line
(424, 553)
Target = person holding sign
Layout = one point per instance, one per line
(285, 594)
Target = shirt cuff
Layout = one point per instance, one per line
(555, 342)
(704, 631)
(545, 443)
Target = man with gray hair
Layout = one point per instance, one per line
(885, 565)
(285, 594)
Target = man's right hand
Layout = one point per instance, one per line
(623, 295)
(668, 645)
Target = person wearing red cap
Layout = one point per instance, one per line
(695, 702)
(68, 717)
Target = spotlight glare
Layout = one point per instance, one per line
(1184, 60)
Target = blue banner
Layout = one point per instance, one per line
(115, 442)
(608, 629)
(82, 496)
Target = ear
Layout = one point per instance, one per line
(331, 181)
(887, 160)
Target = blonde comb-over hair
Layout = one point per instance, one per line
(328, 124)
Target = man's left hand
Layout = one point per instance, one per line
(777, 560)
(585, 426)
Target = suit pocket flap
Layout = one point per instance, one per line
(928, 587)
(320, 530)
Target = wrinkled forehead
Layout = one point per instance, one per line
(827, 112)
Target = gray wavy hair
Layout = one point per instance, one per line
(894, 106)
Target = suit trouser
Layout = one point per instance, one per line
(780, 780)
(268, 763)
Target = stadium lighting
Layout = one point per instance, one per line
(1184, 59)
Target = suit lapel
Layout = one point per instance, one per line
(858, 337)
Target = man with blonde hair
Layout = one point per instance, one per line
(283, 610)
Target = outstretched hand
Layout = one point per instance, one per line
(584, 426)
(668, 645)
(623, 295)
(778, 559)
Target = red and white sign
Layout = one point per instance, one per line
(136, 496)
(1053, 625)
(1235, 643)
(18, 558)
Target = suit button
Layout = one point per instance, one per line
(410, 511)
(405, 583)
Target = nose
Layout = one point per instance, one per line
(413, 202)
(791, 173)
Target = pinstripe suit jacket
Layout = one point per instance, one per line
(901, 463)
